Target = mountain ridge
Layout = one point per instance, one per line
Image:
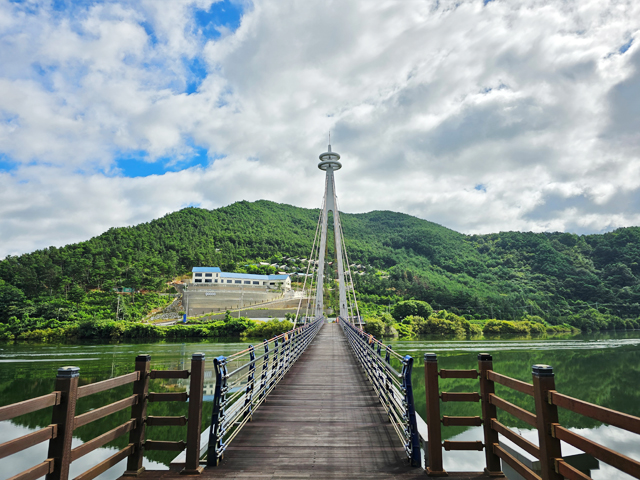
(503, 274)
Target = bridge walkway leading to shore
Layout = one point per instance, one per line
(323, 420)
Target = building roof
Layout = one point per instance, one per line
(206, 269)
(251, 276)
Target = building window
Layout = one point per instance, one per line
(198, 280)
(216, 280)
(208, 274)
(238, 281)
(198, 274)
(228, 281)
(272, 283)
(208, 280)
(247, 282)
(256, 283)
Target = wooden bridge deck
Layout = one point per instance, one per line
(323, 420)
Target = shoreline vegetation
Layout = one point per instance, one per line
(117, 330)
(411, 318)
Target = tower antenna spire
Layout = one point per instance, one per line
(329, 140)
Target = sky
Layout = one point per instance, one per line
(479, 115)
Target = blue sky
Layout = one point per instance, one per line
(478, 115)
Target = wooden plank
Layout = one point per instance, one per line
(168, 397)
(166, 421)
(38, 471)
(102, 440)
(98, 413)
(615, 459)
(569, 472)
(460, 396)
(519, 467)
(165, 446)
(29, 440)
(512, 383)
(107, 464)
(98, 387)
(522, 442)
(602, 414)
(458, 373)
(29, 406)
(169, 374)
(514, 410)
(449, 421)
(451, 445)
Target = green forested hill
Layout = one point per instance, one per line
(501, 275)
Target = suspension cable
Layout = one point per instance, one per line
(313, 246)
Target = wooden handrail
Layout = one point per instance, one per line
(38, 471)
(29, 406)
(569, 472)
(165, 446)
(91, 445)
(518, 466)
(453, 445)
(98, 413)
(29, 440)
(460, 396)
(512, 409)
(169, 374)
(98, 387)
(602, 414)
(168, 397)
(509, 382)
(458, 373)
(615, 459)
(449, 421)
(166, 421)
(519, 440)
(106, 464)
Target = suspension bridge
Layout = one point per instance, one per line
(324, 400)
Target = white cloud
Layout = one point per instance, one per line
(425, 100)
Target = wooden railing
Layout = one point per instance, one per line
(545, 420)
(64, 421)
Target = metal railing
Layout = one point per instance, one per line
(244, 379)
(394, 388)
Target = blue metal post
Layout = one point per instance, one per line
(216, 448)
(265, 369)
(250, 381)
(413, 449)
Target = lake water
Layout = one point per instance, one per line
(601, 368)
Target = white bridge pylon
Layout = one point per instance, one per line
(329, 162)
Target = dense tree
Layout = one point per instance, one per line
(504, 275)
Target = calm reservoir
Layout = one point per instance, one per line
(601, 368)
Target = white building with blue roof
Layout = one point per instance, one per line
(213, 276)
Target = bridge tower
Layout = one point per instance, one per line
(329, 162)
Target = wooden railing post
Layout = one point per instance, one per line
(489, 412)
(546, 414)
(434, 449)
(196, 384)
(139, 414)
(63, 416)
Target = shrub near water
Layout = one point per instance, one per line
(52, 330)
(267, 329)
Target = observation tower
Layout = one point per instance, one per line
(329, 162)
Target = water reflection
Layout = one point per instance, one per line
(603, 369)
